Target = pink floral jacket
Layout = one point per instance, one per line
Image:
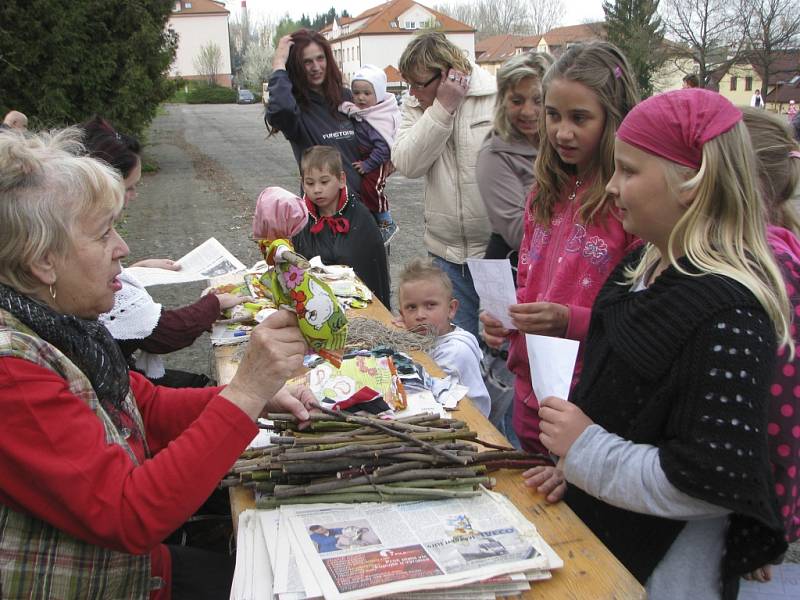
(567, 263)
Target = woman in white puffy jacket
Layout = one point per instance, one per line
(444, 121)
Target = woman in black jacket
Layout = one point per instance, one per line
(305, 91)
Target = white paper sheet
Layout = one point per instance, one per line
(210, 259)
(552, 362)
(494, 284)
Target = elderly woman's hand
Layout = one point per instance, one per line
(282, 52)
(452, 90)
(296, 399)
(274, 354)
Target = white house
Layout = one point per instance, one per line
(379, 35)
(198, 23)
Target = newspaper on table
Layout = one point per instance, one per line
(433, 549)
(210, 259)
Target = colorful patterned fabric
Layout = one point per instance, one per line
(320, 317)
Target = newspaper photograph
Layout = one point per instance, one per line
(210, 259)
(369, 550)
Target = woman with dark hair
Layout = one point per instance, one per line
(305, 91)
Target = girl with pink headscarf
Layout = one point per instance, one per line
(664, 448)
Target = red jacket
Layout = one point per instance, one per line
(56, 465)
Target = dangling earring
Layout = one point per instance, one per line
(52, 291)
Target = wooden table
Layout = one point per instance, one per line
(590, 571)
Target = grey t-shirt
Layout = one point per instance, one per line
(628, 475)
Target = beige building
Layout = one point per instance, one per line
(493, 51)
(198, 23)
(379, 35)
(740, 82)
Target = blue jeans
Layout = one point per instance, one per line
(463, 291)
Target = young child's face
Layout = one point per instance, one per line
(647, 206)
(322, 187)
(363, 94)
(426, 302)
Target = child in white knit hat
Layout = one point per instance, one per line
(376, 119)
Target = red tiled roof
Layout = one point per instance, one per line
(783, 68)
(783, 93)
(392, 74)
(200, 7)
(379, 19)
(574, 33)
(500, 47)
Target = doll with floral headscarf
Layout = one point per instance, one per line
(279, 216)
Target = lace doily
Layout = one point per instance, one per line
(134, 317)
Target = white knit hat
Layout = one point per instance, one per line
(375, 76)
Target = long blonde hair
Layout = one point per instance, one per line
(723, 231)
(517, 68)
(778, 171)
(603, 68)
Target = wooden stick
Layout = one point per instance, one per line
(409, 438)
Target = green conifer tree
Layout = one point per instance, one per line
(63, 60)
(635, 27)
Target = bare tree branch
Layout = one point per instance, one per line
(208, 62)
(545, 15)
(774, 28)
(496, 17)
(709, 32)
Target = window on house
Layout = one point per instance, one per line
(393, 24)
(733, 83)
(410, 25)
(187, 4)
(748, 83)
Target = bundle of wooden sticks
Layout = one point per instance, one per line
(340, 457)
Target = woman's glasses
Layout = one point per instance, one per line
(422, 86)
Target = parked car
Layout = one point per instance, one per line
(245, 97)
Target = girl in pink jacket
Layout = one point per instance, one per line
(572, 238)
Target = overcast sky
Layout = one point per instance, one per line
(577, 11)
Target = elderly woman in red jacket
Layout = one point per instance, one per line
(97, 465)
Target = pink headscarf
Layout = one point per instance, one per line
(676, 125)
(279, 215)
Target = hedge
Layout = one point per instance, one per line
(211, 95)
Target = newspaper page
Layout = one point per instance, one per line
(210, 259)
(373, 550)
(252, 576)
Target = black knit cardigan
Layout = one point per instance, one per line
(685, 366)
